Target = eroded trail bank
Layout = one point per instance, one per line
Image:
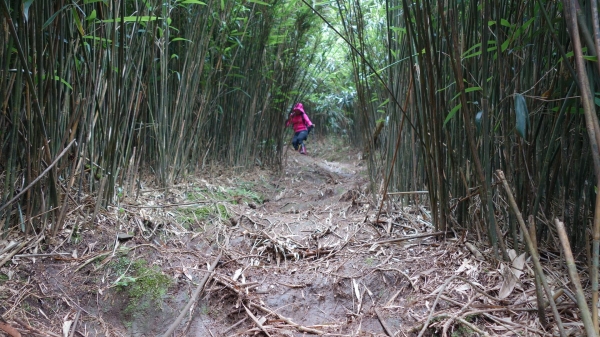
(298, 258)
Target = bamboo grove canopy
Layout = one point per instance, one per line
(438, 95)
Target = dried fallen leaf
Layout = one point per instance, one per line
(9, 330)
(518, 264)
(66, 328)
(509, 282)
(236, 274)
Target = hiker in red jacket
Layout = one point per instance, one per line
(302, 127)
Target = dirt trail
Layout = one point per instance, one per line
(296, 244)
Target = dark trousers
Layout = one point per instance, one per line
(299, 137)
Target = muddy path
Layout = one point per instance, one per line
(301, 252)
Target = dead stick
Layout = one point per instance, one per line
(194, 297)
(74, 326)
(404, 238)
(298, 327)
(472, 327)
(408, 192)
(287, 320)
(235, 325)
(584, 310)
(37, 331)
(534, 255)
(98, 200)
(14, 252)
(384, 324)
(256, 321)
(539, 292)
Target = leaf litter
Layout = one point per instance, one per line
(298, 258)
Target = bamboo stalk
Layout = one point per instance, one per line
(584, 310)
(534, 255)
(591, 123)
(48, 169)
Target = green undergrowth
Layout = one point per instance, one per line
(145, 285)
(192, 215)
(245, 191)
(217, 199)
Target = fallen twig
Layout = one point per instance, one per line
(456, 316)
(402, 239)
(401, 273)
(14, 252)
(235, 325)
(386, 327)
(42, 255)
(193, 298)
(37, 331)
(256, 321)
(287, 320)
(90, 260)
(74, 326)
(173, 205)
(515, 325)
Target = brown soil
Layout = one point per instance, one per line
(302, 243)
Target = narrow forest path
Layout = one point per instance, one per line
(294, 243)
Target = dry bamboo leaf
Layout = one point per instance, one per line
(236, 274)
(464, 266)
(463, 288)
(187, 273)
(518, 264)
(474, 250)
(66, 327)
(508, 283)
(356, 290)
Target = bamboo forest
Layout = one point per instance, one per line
(299, 167)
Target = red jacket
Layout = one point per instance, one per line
(298, 119)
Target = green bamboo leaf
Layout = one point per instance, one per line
(259, 2)
(477, 53)
(517, 33)
(505, 23)
(53, 16)
(384, 103)
(477, 45)
(193, 2)
(99, 39)
(61, 80)
(135, 19)
(452, 113)
(467, 90)
(522, 115)
(92, 16)
(180, 39)
(26, 6)
(77, 21)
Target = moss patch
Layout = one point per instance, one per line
(144, 285)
